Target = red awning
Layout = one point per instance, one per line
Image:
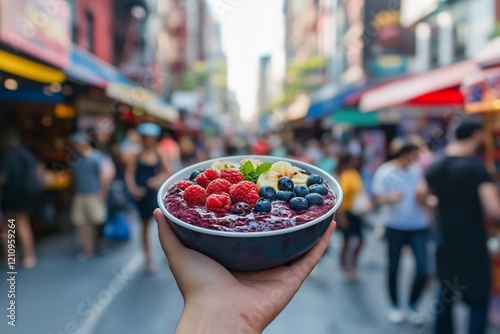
(438, 83)
(445, 97)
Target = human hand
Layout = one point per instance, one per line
(220, 301)
(154, 183)
(138, 192)
(395, 197)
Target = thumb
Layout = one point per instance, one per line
(169, 241)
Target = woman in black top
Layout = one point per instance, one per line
(144, 174)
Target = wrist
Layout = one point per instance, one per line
(212, 318)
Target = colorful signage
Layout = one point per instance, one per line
(40, 28)
(482, 91)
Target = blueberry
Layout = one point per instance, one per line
(285, 195)
(314, 179)
(262, 206)
(319, 189)
(240, 208)
(299, 204)
(301, 190)
(253, 225)
(302, 170)
(267, 192)
(194, 175)
(285, 183)
(315, 199)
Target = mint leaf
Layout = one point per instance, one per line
(226, 166)
(247, 168)
(263, 167)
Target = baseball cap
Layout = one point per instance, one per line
(149, 129)
(78, 137)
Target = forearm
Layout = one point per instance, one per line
(384, 199)
(198, 318)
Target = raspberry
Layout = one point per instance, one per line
(206, 177)
(182, 185)
(195, 194)
(231, 175)
(244, 191)
(218, 203)
(219, 186)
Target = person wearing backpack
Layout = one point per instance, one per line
(19, 184)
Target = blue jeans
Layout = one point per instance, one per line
(478, 318)
(417, 240)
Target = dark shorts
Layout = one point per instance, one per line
(147, 205)
(353, 229)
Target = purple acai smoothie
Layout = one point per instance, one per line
(241, 217)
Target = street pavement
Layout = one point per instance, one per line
(112, 294)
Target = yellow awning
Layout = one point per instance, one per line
(142, 98)
(29, 69)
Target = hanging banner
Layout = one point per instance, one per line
(41, 28)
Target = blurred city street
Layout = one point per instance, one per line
(250, 123)
(49, 303)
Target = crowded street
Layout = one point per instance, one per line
(250, 166)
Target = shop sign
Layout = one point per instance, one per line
(41, 28)
(482, 93)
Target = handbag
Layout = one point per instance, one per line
(117, 228)
(362, 204)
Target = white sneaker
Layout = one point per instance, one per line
(415, 318)
(395, 315)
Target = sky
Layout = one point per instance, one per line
(250, 29)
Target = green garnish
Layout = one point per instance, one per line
(251, 174)
(226, 166)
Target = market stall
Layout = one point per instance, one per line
(482, 97)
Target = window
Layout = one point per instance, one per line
(90, 31)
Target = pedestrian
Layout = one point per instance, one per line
(406, 222)
(217, 300)
(20, 184)
(88, 209)
(350, 224)
(328, 162)
(465, 195)
(172, 149)
(144, 174)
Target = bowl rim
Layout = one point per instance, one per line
(334, 184)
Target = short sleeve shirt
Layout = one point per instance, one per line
(406, 214)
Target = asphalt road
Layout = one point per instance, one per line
(112, 294)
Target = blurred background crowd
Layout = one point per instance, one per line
(100, 101)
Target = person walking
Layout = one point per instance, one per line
(350, 222)
(20, 183)
(144, 174)
(465, 194)
(88, 209)
(406, 222)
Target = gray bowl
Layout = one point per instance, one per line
(251, 250)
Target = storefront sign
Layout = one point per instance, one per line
(38, 27)
(482, 91)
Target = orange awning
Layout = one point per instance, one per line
(413, 88)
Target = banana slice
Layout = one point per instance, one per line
(222, 164)
(278, 170)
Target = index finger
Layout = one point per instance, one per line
(304, 265)
(169, 241)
